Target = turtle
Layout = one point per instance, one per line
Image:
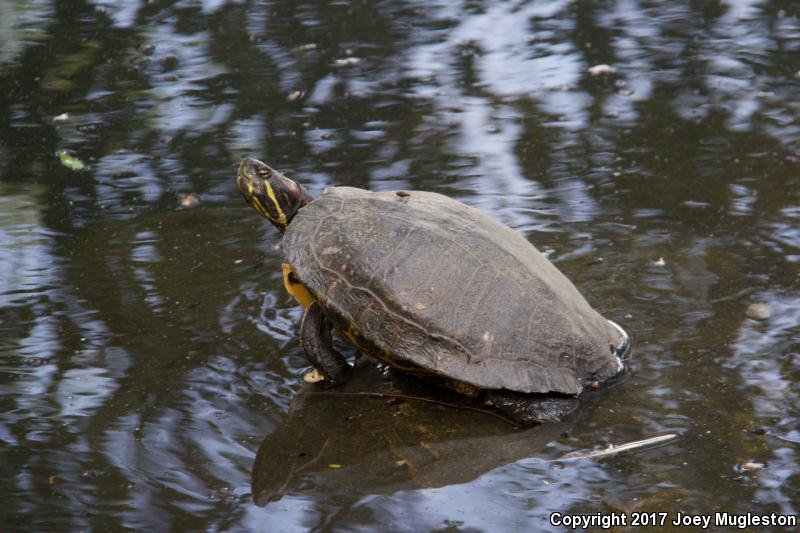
(438, 289)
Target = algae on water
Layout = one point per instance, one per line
(70, 161)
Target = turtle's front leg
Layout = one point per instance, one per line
(316, 342)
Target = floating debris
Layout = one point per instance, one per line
(599, 70)
(306, 47)
(313, 376)
(190, 201)
(612, 449)
(347, 62)
(334, 465)
(294, 96)
(224, 494)
(749, 466)
(70, 161)
(759, 311)
(695, 204)
(660, 262)
(61, 118)
(169, 63)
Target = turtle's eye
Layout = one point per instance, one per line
(263, 172)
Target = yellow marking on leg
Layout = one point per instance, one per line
(296, 289)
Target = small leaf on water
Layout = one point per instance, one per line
(70, 161)
(749, 466)
(599, 70)
(313, 376)
(190, 201)
(347, 62)
(759, 311)
(334, 465)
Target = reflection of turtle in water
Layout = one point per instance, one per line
(437, 288)
(380, 446)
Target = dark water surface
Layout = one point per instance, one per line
(146, 351)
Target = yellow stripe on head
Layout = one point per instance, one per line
(281, 216)
(273, 195)
(256, 203)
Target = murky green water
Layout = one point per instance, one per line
(147, 352)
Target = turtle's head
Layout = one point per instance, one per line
(273, 195)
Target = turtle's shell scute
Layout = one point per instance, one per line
(421, 280)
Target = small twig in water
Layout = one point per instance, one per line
(415, 398)
(784, 439)
(619, 448)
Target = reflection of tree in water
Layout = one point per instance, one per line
(174, 95)
(689, 147)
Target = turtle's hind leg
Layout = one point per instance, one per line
(529, 409)
(316, 342)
